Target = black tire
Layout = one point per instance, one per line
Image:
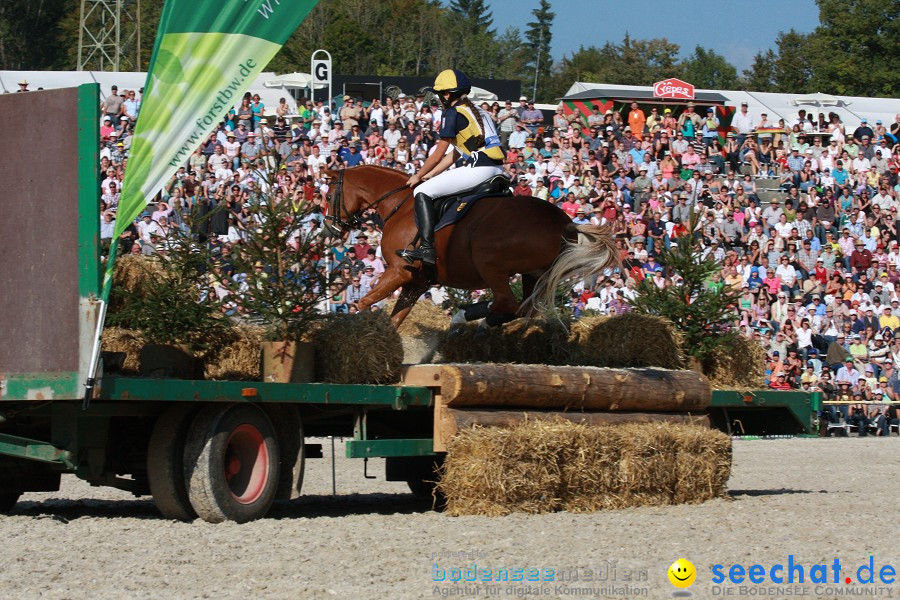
(424, 486)
(165, 462)
(8, 501)
(231, 463)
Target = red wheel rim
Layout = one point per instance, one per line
(246, 464)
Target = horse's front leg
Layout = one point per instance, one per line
(390, 281)
(409, 295)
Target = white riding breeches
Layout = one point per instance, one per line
(456, 180)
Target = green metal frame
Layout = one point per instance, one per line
(20, 447)
(783, 410)
(134, 389)
(390, 447)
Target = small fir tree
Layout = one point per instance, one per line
(282, 263)
(702, 312)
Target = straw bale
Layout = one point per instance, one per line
(550, 465)
(740, 366)
(524, 341)
(236, 357)
(425, 318)
(628, 340)
(358, 348)
(128, 341)
(422, 331)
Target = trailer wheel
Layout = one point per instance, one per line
(231, 463)
(165, 462)
(424, 485)
(8, 501)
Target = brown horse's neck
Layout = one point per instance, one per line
(368, 183)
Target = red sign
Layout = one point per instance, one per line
(673, 88)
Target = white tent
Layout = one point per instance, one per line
(478, 94)
(851, 109)
(127, 81)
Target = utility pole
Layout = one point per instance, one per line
(537, 64)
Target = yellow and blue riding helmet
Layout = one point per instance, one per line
(453, 81)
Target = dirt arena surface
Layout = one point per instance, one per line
(815, 499)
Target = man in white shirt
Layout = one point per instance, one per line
(392, 136)
(518, 137)
(742, 124)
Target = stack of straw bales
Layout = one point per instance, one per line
(127, 342)
(741, 366)
(522, 341)
(237, 356)
(629, 340)
(422, 331)
(358, 348)
(550, 465)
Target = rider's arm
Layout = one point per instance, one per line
(431, 162)
(450, 157)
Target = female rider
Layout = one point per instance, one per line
(469, 138)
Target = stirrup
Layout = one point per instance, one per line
(426, 255)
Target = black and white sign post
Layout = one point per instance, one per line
(320, 73)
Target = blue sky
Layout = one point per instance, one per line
(737, 29)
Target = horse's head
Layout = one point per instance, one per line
(343, 208)
(354, 190)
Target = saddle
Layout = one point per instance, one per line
(450, 209)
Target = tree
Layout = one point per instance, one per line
(475, 14)
(710, 70)
(867, 35)
(760, 77)
(29, 32)
(793, 63)
(282, 282)
(538, 38)
(700, 311)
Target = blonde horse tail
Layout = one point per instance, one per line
(592, 251)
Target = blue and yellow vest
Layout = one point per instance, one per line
(465, 138)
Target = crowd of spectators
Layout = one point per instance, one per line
(801, 215)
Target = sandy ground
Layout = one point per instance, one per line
(817, 499)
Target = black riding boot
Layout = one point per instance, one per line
(424, 208)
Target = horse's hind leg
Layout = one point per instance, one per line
(505, 305)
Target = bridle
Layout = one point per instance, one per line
(336, 206)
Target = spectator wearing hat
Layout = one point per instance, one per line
(710, 127)
(848, 372)
(519, 137)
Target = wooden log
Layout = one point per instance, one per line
(574, 388)
(506, 418)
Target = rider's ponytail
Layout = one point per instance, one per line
(477, 112)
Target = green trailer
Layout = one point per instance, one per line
(240, 445)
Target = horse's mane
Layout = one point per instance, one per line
(386, 170)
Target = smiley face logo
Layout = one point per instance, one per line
(682, 573)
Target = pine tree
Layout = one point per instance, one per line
(538, 39)
(475, 13)
(701, 312)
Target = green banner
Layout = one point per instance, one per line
(207, 53)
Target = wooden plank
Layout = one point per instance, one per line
(444, 424)
(506, 418)
(574, 388)
(421, 375)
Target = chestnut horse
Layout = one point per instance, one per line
(497, 239)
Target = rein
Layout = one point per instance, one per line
(353, 221)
